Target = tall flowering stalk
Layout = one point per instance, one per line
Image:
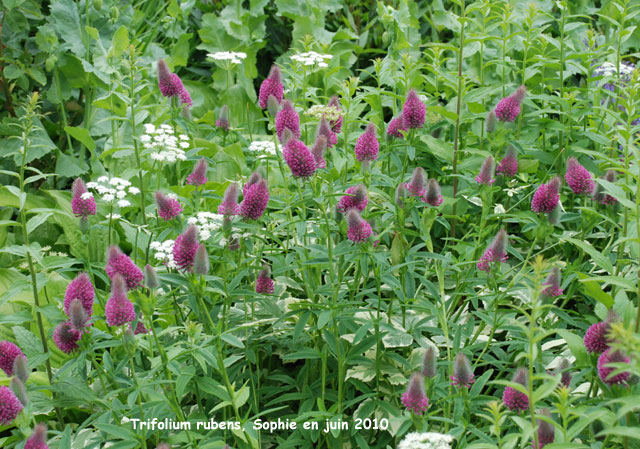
(133, 84)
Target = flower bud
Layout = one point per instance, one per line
(429, 368)
(77, 315)
(273, 106)
(19, 390)
(491, 121)
(150, 277)
(21, 368)
(201, 262)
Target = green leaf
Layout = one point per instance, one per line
(64, 16)
(576, 346)
(232, 340)
(66, 166)
(82, 135)
(631, 432)
(438, 148)
(120, 42)
(600, 259)
(29, 343)
(593, 289)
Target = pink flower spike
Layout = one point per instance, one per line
(198, 176)
(417, 185)
(463, 376)
(355, 198)
(264, 283)
(222, 121)
(367, 145)
(119, 310)
(229, 205)
(120, 263)
(599, 194)
(509, 108)
(185, 247)
(299, 158)
(509, 164)
(318, 150)
(83, 203)
(256, 198)
(578, 178)
(604, 370)
(66, 337)
(80, 288)
(324, 129)
(415, 399)
(553, 284)
(168, 207)
(10, 406)
(546, 431)
(546, 197)
(170, 84)
(38, 440)
(495, 252)
(413, 111)
(395, 126)
(271, 86)
(8, 354)
(287, 118)
(515, 400)
(359, 229)
(486, 172)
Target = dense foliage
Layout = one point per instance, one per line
(416, 224)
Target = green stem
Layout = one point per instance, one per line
(456, 138)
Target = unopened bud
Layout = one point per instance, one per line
(201, 261)
(19, 390)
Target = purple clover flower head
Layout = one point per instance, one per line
(359, 229)
(185, 247)
(429, 363)
(201, 261)
(486, 172)
(119, 310)
(264, 283)
(546, 431)
(83, 203)
(318, 150)
(8, 354)
(168, 207)
(324, 129)
(81, 289)
(491, 121)
(417, 185)
(508, 166)
(599, 194)
(198, 176)
(552, 282)
(604, 370)
(578, 178)
(21, 368)
(415, 399)
(271, 87)
(10, 406)
(463, 376)
(185, 97)
(432, 195)
(256, 198)
(287, 118)
(546, 197)
(120, 263)
(336, 125)
(515, 400)
(413, 111)
(495, 252)
(77, 315)
(169, 83)
(38, 439)
(66, 337)
(367, 145)
(222, 121)
(395, 126)
(355, 198)
(229, 205)
(299, 158)
(140, 328)
(509, 108)
(596, 338)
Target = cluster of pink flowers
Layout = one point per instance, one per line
(412, 116)
(78, 306)
(264, 283)
(171, 85)
(419, 187)
(168, 206)
(508, 109)
(13, 399)
(495, 252)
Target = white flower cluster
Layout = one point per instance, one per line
(163, 144)
(233, 56)
(310, 58)
(427, 440)
(319, 110)
(164, 252)
(263, 147)
(610, 69)
(113, 189)
(207, 223)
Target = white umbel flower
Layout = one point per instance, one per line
(427, 440)
(311, 58)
